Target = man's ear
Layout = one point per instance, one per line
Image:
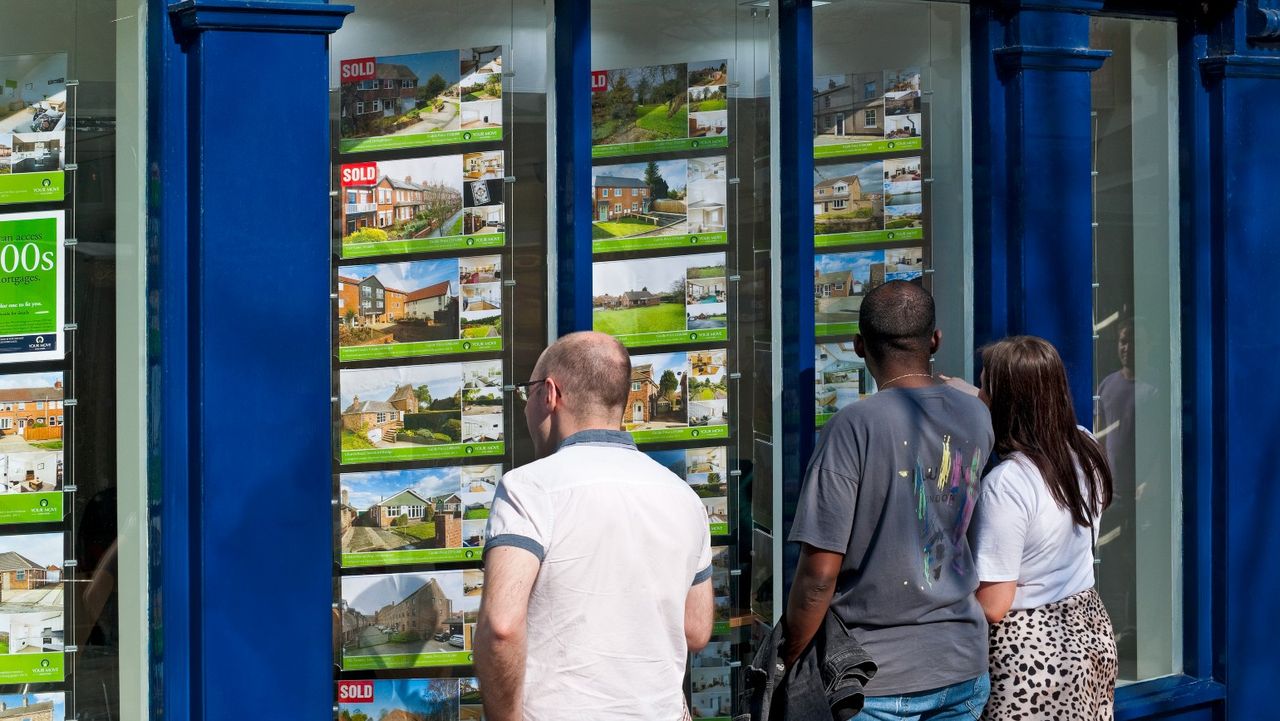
(859, 346)
(935, 342)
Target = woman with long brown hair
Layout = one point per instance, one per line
(1053, 653)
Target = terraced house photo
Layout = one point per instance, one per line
(399, 620)
(30, 706)
(31, 412)
(414, 509)
(403, 200)
(848, 108)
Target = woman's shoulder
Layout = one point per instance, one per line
(1016, 473)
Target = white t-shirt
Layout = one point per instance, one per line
(1019, 533)
(621, 540)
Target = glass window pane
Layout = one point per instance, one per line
(1136, 358)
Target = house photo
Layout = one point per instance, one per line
(848, 197)
(404, 200)
(388, 619)
(640, 105)
(409, 95)
(33, 706)
(31, 412)
(848, 108)
(840, 377)
(659, 392)
(708, 389)
(31, 593)
(634, 200)
(401, 407)
(840, 280)
(30, 562)
(417, 699)
(638, 296)
(390, 304)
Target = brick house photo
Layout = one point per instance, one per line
(31, 410)
(645, 199)
(848, 197)
(405, 617)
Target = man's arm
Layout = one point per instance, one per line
(499, 642)
(811, 592)
(699, 616)
(996, 597)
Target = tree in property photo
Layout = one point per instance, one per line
(668, 384)
(431, 89)
(653, 178)
(423, 394)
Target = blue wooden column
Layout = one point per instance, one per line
(1033, 234)
(241, 430)
(1238, 287)
(572, 162)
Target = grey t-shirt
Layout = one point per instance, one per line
(892, 485)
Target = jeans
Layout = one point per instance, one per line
(958, 702)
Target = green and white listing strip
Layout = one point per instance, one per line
(423, 245)
(867, 236)
(31, 507)
(407, 660)
(420, 555)
(419, 140)
(32, 668)
(719, 528)
(422, 452)
(821, 419)
(668, 337)
(664, 435)
(659, 146)
(47, 187)
(867, 147)
(419, 348)
(617, 245)
(826, 329)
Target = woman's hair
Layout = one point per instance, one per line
(1031, 412)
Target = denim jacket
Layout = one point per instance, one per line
(825, 683)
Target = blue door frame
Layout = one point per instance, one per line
(230, 612)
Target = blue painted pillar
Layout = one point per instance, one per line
(572, 163)
(1241, 77)
(240, 381)
(1034, 257)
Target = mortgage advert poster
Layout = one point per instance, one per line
(31, 286)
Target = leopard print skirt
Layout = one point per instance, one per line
(1054, 663)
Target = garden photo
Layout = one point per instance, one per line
(414, 94)
(708, 98)
(641, 104)
(708, 388)
(840, 280)
(401, 407)
(412, 509)
(392, 620)
(839, 377)
(638, 296)
(634, 200)
(848, 197)
(402, 200)
(397, 303)
(659, 392)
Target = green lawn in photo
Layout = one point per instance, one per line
(4, 645)
(619, 229)
(423, 531)
(354, 442)
(475, 514)
(456, 228)
(54, 445)
(654, 119)
(703, 394)
(897, 223)
(710, 271)
(649, 319)
(705, 106)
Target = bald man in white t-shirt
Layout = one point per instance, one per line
(597, 559)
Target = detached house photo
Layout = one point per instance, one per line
(393, 305)
(401, 407)
(659, 389)
(409, 95)
(841, 279)
(848, 198)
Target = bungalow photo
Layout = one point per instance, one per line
(848, 108)
(707, 195)
(407, 699)
(421, 508)
(31, 421)
(28, 706)
(840, 376)
(401, 407)
(640, 200)
(848, 197)
(659, 392)
(399, 620)
(840, 280)
(33, 110)
(408, 95)
(652, 295)
(31, 594)
(708, 388)
(904, 196)
(902, 94)
(398, 200)
(904, 264)
(398, 303)
(641, 104)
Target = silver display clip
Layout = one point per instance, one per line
(70, 649)
(735, 472)
(70, 563)
(735, 376)
(333, 399)
(71, 166)
(70, 242)
(735, 278)
(509, 283)
(736, 572)
(333, 296)
(510, 179)
(70, 489)
(71, 326)
(70, 402)
(927, 271)
(508, 389)
(734, 181)
(72, 83)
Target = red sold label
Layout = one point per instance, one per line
(359, 174)
(599, 81)
(353, 71)
(355, 691)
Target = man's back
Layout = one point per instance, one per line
(891, 486)
(621, 541)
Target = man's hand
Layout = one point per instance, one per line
(811, 593)
(499, 640)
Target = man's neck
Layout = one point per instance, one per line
(904, 375)
(567, 427)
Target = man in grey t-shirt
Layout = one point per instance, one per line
(882, 518)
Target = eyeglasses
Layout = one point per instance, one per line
(522, 389)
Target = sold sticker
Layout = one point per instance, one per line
(599, 81)
(359, 174)
(354, 71)
(355, 691)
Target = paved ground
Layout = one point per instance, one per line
(365, 538)
(373, 642)
(434, 121)
(16, 444)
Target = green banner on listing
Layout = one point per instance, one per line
(821, 419)
(420, 555)
(827, 329)
(867, 236)
(659, 146)
(867, 147)
(423, 245)
(407, 660)
(31, 667)
(419, 348)
(422, 452)
(419, 140)
(637, 340)
(47, 187)
(719, 529)
(615, 245)
(663, 435)
(31, 507)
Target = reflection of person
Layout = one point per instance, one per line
(882, 517)
(597, 559)
(1033, 534)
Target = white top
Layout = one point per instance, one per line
(621, 540)
(1019, 533)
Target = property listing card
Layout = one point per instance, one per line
(660, 108)
(680, 396)
(31, 608)
(871, 201)
(420, 99)
(410, 699)
(867, 113)
(661, 301)
(31, 460)
(409, 620)
(706, 470)
(33, 128)
(659, 204)
(842, 280)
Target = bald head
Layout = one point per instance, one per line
(897, 319)
(593, 371)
